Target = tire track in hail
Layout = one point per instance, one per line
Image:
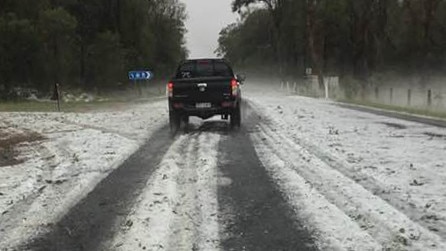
(254, 213)
(93, 219)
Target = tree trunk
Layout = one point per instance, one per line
(82, 64)
(312, 44)
(57, 66)
(429, 7)
(82, 41)
(361, 18)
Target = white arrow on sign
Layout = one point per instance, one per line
(148, 75)
(139, 75)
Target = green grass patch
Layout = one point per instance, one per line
(35, 106)
(27, 106)
(410, 110)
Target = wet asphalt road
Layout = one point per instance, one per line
(254, 214)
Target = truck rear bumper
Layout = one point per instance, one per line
(225, 108)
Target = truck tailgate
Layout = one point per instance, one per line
(215, 89)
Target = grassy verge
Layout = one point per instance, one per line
(410, 110)
(112, 100)
(35, 106)
(27, 106)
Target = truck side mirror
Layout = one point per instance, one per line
(241, 78)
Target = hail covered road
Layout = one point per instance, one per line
(300, 174)
(204, 189)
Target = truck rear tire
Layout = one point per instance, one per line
(174, 121)
(186, 120)
(236, 117)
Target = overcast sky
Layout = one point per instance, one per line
(205, 20)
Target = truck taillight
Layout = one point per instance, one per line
(234, 87)
(170, 90)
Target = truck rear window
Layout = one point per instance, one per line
(204, 68)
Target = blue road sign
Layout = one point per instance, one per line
(140, 75)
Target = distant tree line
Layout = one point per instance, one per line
(343, 37)
(88, 44)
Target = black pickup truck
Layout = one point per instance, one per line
(204, 88)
